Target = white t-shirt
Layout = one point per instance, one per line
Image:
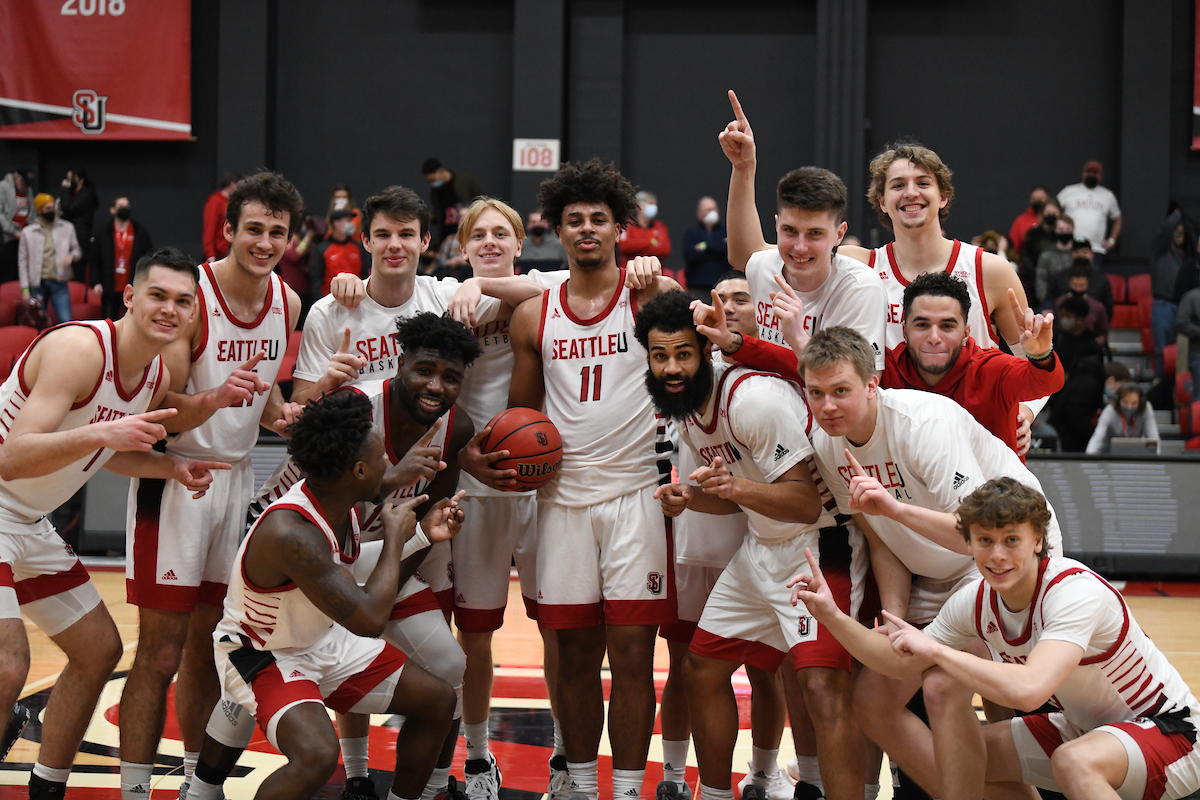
(1122, 674)
(1091, 209)
(852, 296)
(373, 328)
(929, 452)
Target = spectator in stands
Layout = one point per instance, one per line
(1042, 236)
(1172, 249)
(705, 250)
(449, 193)
(1129, 414)
(342, 199)
(15, 194)
(1117, 374)
(1028, 218)
(541, 249)
(1073, 407)
(1096, 320)
(294, 265)
(1099, 286)
(1187, 323)
(46, 260)
(645, 234)
(77, 204)
(215, 245)
(339, 252)
(995, 243)
(451, 263)
(116, 249)
(1052, 265)
(1094, 208)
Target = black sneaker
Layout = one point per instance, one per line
(20, 718)
(806, 791)
(42, 789)
(453, 791)
(359, 789)
(754, 792)
(669, 790)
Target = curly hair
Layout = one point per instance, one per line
(273, 191)
(667, 312)
(1002, 502)
(593, 182)
(937, 284)
(328, 438)
(920, 157)
(441, 334)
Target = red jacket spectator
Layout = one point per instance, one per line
(215, 245)
(652, 240)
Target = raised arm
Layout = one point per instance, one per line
(528, 386)
(741, 223)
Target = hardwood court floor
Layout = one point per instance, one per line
(520, 720)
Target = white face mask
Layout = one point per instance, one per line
(650, 210)
(712, 218)
(340, 202)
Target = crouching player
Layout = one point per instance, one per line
(1055, 631)
(294, 634)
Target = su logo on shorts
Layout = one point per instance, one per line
(89, 114)
(654, 582)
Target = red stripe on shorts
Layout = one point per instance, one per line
(577, 615)
(755, 654)
(678, 631)
(358, 686)
(41, 586)
(144, 588)
(1044, 732)
(639, 612)
(414, 604)
(6, 576)
(478, 620)
(272, 693)
(1160, 750)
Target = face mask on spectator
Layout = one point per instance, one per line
(1066, 238)
(650, 210)
(124, 213)
(1067, 323)
(1091, 181)
(1050, 219)
(712, 218)
(538, 230)
(1037, 206)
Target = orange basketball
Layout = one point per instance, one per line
(533, 444)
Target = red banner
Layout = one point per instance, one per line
(98, 69)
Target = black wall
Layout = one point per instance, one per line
(1009, 92)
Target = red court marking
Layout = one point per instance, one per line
(1161, 589)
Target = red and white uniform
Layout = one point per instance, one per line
(602, 544)
(966, 264)
(499, 528)
(757, 424)
(851, 296)
(929, 452)
(1124, 685)
(276, 649)
(38, 570)
(182, 549)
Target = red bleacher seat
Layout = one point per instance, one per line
(15, 338)
(1170, 355)
(1118, 286)
(10, 295)
(1138, 287)
(1145, 305)
(85, 304)
(1124, 316)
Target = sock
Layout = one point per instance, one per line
(50, 774)
(476, 734)
(871, 791)
(200, 789)
(189, 764)
(675, 760)
(135, 780)
(584, 778)
(709, 793)
(559, 749)
(627, 783)
(764, 761)
(438, 780)
(807, 769)
(895, 770)
(355, 756)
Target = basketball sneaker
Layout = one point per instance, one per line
(483, 778)
(752, 791)
(807, 791)
(669, 790)
(776, 785)
(452, 792)
(186, 787)
(42, 789)
(560, 779)
(20, 718)
(358, 789)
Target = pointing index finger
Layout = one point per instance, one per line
(1018, 314)
(253, 362)
(428, 437)
(345, 347)
(855, 467)
(737, 108)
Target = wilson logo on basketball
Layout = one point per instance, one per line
(525, 470)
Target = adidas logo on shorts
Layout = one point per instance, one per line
(169, 575)
(959, 480)
(296, 674)
(780, 451)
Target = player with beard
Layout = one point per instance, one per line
(602, 543)
(750, 431)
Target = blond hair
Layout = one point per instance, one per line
(832, 346)
(481, 204)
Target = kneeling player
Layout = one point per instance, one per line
(281, 649)
(749, 428)
(1055, 631)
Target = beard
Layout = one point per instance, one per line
(937, 369)
(677, 405)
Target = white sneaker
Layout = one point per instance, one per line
(793, 770)
(483, 778)
(777, 785)
(560, 779)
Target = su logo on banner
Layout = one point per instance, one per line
(89, 110)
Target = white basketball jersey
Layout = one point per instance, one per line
(372, 328)
(280, 618)
(485, 388)
(757, 424)
(596, 397)
(1122, 674)
(225, 344)
(966, 264)
(705, 540)
(27, 499)
(851, 296)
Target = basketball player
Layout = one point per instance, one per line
(222, 376)
(749, 432)
(900, 461)
(297, 630)
(1054, 631)
(79, 400)
(703, 546)
(602, 543)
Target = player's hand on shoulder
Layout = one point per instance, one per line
(737, 140)
(196, 475)
(642, 271)
(422, 461)
(478, 464)
(465, 301)
(348, 290)
(714, 479)
(445, 519)
(673, 497)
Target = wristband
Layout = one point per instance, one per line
(416, 544)
(1043, 357)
